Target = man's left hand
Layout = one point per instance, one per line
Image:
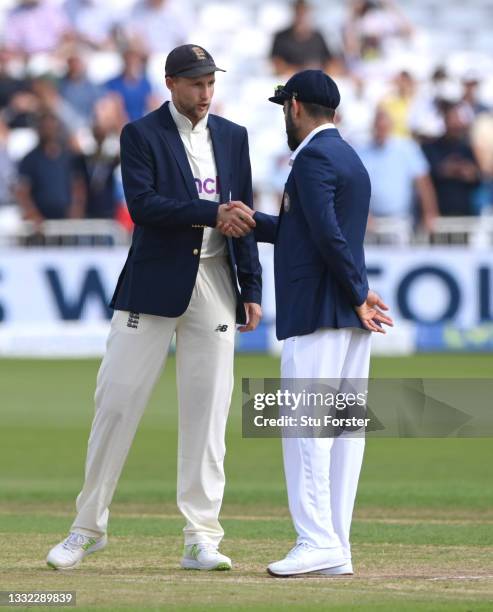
(254, 314)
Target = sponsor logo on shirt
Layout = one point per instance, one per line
(209, 186)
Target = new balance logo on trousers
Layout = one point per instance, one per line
(122, 394)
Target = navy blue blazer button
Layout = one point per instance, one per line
(195, 251)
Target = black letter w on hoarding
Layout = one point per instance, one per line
(92, 287)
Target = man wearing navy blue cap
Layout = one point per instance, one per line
(324, 312)
(181, 169)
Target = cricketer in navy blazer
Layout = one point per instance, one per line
(319, 262)
(169, 216)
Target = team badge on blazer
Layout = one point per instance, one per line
(286, 202)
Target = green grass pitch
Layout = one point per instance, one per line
(422, 531)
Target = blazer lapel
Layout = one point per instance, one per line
(173, 139)
(221, 144)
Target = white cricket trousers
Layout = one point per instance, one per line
(322, 473)
(135, 355)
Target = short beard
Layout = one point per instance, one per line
(291, 132)
(190, 112)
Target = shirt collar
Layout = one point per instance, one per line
(184, 124)
(324, 126)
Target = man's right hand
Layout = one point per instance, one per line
(235, 219)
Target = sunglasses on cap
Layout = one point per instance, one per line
(279, 91)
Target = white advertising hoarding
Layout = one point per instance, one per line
(54, 301)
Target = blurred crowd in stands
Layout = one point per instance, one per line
(73, 72)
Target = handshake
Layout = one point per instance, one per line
(235, 219)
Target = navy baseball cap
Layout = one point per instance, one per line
(311, 86)
(190, 61)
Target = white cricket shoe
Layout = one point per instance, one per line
(340, 570)
(69, 553)
(304, 559)
(204, 557)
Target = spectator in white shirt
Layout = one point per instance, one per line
(35, 26)
(158, 25)
(370, 24)
(94, 22)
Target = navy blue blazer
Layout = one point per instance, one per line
(169, 216)
(319, 263)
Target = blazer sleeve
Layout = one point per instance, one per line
(248, 266)
(316, 184)
(265, 230)
(146, 206)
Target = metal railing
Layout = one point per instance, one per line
(66, 233)
(384, 231)
(447, 231)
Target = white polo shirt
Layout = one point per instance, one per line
(198, 146)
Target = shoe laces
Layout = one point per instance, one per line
(206, 547)
(75, 541)
(299, 549)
